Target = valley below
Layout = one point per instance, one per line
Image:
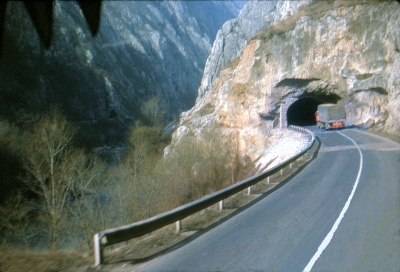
(174, 100)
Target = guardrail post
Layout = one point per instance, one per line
(290, 166)
(281, 171)
(98, 253)
(221, 205)
(268, 180)
(249, 190)
(178, 226)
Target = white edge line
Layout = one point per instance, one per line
(328, 237)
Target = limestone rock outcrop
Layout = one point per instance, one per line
(342, 52)
(235, 33)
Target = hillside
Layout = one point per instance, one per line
(343, 52)
(143, 49)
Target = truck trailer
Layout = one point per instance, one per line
(330, 116)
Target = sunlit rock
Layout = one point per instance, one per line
(327, 52)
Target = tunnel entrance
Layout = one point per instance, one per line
(302, 111)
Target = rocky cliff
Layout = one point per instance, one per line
(235, 33)
(337, 52)
(143, 49)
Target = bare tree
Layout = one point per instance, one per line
(86, 210)
(200, 165)
(180, 169)
(15, 227)
(136, 187)
(54, 169)
(154, 110)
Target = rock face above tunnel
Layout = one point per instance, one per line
(343, 51)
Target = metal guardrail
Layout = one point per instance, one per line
(120, 234)
(305, 130)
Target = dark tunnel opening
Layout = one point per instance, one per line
(302, 112)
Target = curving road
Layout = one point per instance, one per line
(341, 213)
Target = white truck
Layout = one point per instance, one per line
(330, 116)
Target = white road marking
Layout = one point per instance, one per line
(328, 238)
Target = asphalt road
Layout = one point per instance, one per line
(283, 231)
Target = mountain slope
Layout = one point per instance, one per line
(143, 49)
